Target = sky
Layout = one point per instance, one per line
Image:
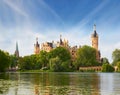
(23, 20)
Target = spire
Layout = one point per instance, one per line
(61, 40)
(16, 46)
(95, 33)
(94, 27)
(36, 39)
(17, 51)
(36, 47)
(60, 36)
(37, 44)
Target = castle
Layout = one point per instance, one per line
(48, 46)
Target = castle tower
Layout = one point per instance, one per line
(17, 51)
(37, 47)
(94, 39)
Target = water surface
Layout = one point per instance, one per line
(66, 83)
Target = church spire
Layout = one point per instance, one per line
(17, 51)
(16, 46)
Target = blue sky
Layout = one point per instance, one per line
(24, 20)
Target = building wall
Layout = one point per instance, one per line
(95, 42)
(36, 49)
(46, 47)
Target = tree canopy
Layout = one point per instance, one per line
(116, 56)
(118, 66)
(62, 53)
(4, 61)
(107, 68)
(60, 59)
(86, 56)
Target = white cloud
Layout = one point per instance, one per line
(12, 4)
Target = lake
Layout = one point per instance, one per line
(56, 83)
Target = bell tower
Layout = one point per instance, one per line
(94, 39)
(37, 47)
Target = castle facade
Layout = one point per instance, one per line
(48, 46)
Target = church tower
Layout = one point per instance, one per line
(17, 51)
(37, 47)
(94, 39)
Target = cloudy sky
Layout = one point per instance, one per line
(24, 20)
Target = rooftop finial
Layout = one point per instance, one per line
(94, 27)
(36, 39)
(60, 36)
(16, 46)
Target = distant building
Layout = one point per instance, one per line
(73, 52)
(37, 47)
(48, 46)
(94, 39)
(17, 51)
(62, 43)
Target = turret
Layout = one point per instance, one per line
(36, 47)
(94, 39)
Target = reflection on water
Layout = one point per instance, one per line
(73, 83)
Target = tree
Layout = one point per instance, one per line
(43, 58)
(66, 66)
(26, 63)
(104, 60)
(60, 59)
(34, 59)
(118, 66)
(60, 52)
(116, 56)
(4, 61)
(107, 68)
(55, 64)
(13, 61)
(86, 56)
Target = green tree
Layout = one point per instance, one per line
(26, 63)
(86, 56)
(4, 61)
(107, 68)
(34, 63)
(104, 60)
(63, 57)
(55, 64)
(13, 61)
(43, 58)
(118, 66)
(116, 56)
(66, 66)
(60, 52)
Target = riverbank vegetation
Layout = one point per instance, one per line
(4, 61)
(58, 60)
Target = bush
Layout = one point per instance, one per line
(118, 66)
(107, 68)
